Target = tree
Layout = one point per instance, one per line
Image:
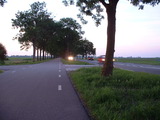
(45, 30)
(3, 53)
(71, 33)
(85, 47)
(27, 23)
(93, 8)
(2, 2)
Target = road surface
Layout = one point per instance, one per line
(38, 92)
(153, 69)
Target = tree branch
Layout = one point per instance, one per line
(104, 3)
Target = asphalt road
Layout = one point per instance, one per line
(38, 92)
(153, 69)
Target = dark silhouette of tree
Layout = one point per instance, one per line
(46, 30)
(3, 54)
(71, 33)
(2, 2)
(85, 47)
(27, 23)
(93, 8)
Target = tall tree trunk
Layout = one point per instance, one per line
(40, 55)
(107, 69)
(43, 54)
(37, 54)
(34, 51)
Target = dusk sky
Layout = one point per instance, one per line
(137, 31)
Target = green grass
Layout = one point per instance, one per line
(74, 62)
(1, 71)
(124, 96)
(151, 61)
(21, 61)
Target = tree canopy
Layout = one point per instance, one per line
(2, 2)
(94, 9)
(27, 22)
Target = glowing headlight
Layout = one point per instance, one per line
(70, 58)
(103, 59)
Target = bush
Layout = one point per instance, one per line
(3, 54)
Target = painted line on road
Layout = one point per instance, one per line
(23, 68)
(13, 71)
(59, 87)
(59, 65)
(60, 76)
(59, 70)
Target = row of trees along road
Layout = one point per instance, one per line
(58, 38)
(94, 9)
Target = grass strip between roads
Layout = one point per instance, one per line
(74, 62)
(149, 61)
(1, 71)
(126, 95)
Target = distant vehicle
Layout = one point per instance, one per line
(70, 58)
(90, 58)
(101, 59)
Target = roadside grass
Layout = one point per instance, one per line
(21, 61)
(74, 62)
(126, 95)
(1, 71)
(150, 61)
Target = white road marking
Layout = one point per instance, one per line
(59, 66)
(59, 75)
(59, 70)
(59, 87)
(13, 71)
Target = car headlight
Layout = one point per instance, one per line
(70, 58)
(103, 59)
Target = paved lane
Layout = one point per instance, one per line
(38, 92)
(153, 69)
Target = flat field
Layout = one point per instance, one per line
(21, 61)
(150, 61)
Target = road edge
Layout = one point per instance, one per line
(79, 96)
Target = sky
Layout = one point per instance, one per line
(137, 31)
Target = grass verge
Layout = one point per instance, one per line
(150, 61)
(21, 61)
(124, 96)
(1, 71)
(74, 62)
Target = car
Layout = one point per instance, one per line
(90, 58)
(101, 59)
